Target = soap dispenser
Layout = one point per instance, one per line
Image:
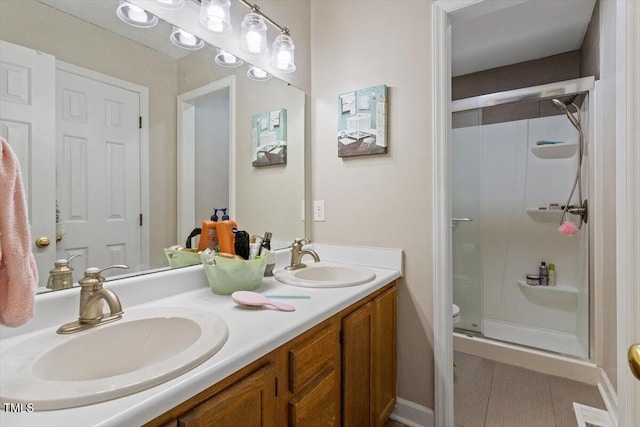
(61, 277)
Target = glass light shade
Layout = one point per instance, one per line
(254, 35)
(185, 39)
(135, 16)
(215, 15)
(171, 4)
(282, 56)
(225, 59)
(258, 74)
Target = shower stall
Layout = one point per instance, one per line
(519, 198)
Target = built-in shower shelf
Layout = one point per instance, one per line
(565, 294)
(555, 151)
(545, 215)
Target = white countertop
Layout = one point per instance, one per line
(252, 334)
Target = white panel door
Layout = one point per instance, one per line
(98, 171)
(27, 113)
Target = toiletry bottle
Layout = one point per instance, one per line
(226, 232)
(271, 256)
(544, 274)
(209, 235)
(552, 274)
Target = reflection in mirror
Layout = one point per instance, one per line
(99, 130)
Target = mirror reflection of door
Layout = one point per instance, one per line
(98, 170)
(27, 114)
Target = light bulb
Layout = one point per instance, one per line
(187, 38)
(137, 14)
(215, 13)
(259, 73)
(284, 58)
(228, 58)
(254, 41)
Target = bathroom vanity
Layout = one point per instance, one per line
(330, 362)
(341, 369)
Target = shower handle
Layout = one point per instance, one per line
(456, 221)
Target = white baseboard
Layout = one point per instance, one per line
(412, 414)
(609, 397)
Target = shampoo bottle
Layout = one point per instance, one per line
(544, 274)
(226, 232)
(209, 235)
(552, 274)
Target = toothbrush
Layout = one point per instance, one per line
(288, 297)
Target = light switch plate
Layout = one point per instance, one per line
(318, 210)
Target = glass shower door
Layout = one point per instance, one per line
(466, 221)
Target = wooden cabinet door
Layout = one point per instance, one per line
(357, 330)
(384, 359)
(248, 403)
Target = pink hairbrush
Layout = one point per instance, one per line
(255, 300)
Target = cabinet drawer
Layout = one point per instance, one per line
(319, 405)
(312, 355)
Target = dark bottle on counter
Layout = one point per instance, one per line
(544, 274)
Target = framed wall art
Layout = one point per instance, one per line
(269, 138)
(362, 122)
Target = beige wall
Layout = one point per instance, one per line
(34, 25)
(385, 200)
(268, 198)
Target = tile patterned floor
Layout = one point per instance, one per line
(492, 394)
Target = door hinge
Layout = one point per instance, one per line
(140, 220)
(276, 386)
(139, 122)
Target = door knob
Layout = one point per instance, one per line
(43, 242)
(634, 360)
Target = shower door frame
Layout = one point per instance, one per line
(582, 85)
(444, 12)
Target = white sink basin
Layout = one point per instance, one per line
(146, 348)
(324, 275)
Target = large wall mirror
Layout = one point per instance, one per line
(127, 142)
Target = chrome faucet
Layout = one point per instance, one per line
(92, 296)
(297, 253)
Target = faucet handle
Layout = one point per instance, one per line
(298, 242)
(93, 277)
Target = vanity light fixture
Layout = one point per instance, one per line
(215, 15)
(282, 56)
(225, 59)
(258, 74)
(185, 39)
(171, 4)
(135, 16)
(254, 35)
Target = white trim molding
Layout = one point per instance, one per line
(442, 285)
(609, 397)
(412, 414)
(628, 203)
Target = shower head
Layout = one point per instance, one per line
(565, 109)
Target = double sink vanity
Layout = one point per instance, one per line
(182, 355)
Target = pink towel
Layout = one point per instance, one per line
(18, 272)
